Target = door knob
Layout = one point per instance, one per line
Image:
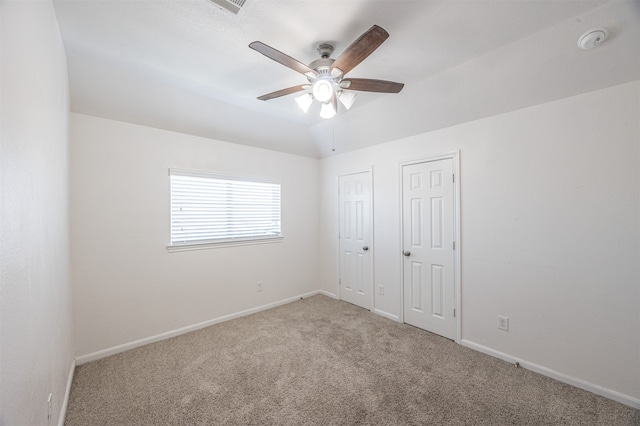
(365, 248)
(406, 253)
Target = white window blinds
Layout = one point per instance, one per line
(216, 209)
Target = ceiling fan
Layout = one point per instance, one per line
(326, 76)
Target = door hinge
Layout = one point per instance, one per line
(453, 178)
(454, 312)
(454, 245)
(339, 280)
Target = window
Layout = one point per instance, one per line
(209, 209)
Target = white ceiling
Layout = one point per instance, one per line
(185, 65)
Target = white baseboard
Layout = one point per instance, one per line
(326, 293)
(67, 393)
(579, 383)
(387, 315)
(83, 359)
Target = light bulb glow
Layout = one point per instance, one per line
(322, 90)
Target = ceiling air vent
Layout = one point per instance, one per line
(233, 6)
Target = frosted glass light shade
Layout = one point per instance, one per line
(328, 110)
(304, 102)
(322, 90)
(347, 98)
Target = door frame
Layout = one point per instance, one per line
(457, 278)
(372, 248)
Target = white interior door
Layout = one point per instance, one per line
(428, 219)
(355, 234)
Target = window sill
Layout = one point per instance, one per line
(220, 244)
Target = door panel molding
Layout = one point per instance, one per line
(370, 250)
(454, 156)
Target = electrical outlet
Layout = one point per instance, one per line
(259, 286)
(503, 323)
(49, 408)
(380, 289)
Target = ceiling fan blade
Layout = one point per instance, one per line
(281, 58)
(370, 85)
(360, 49)
(284, 92)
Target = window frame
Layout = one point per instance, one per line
(222, 242)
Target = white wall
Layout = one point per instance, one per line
(550, 231)
(127, 286)
(499, 81)
(36, 347)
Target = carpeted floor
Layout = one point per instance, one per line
(319, 361)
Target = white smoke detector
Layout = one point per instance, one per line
(592, 38)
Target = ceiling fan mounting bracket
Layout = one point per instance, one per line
(325, 50)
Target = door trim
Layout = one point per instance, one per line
(372, 248)
(457, 278)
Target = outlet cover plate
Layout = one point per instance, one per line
(503, 323)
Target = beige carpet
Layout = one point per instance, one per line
(320, 361)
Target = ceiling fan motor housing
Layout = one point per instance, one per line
(323, 67)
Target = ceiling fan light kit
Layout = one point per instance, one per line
(327, 110)
(304, 102)
(326, 75)
(347, 98)
(322, 89)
